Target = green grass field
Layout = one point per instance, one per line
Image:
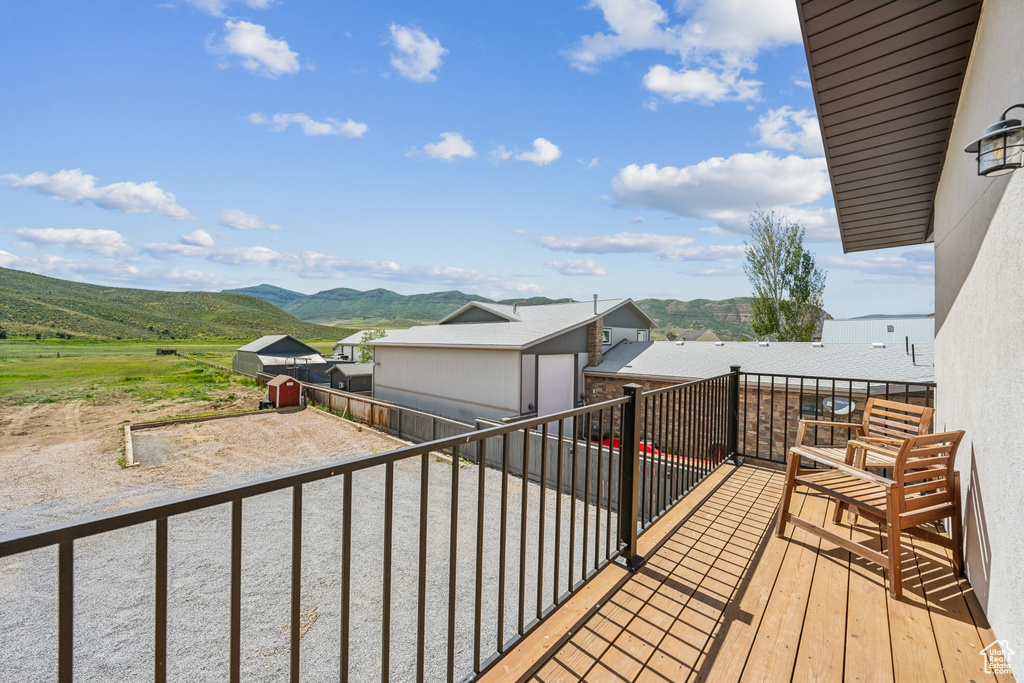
(54, 371)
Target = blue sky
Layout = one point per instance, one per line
(501, 148)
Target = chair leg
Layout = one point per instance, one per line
(837, 516)
(787, 494)
(894, 550)
(958, 529)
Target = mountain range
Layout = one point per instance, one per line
(729, 318)
(36, 304)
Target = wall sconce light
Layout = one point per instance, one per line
(1000, 149)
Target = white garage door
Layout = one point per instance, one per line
(555, 390)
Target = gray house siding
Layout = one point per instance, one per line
(247, 362)
(570, 342)
(476, 315)
(460, 383)
(626, 317)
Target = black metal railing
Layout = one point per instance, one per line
(772, 406)
(587, 482)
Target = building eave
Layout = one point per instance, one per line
(886, 79)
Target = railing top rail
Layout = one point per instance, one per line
(654, 392)
(20, 542)
(911, 382)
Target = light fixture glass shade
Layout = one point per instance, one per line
(1001, 149)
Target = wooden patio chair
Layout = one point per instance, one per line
(924, 489)
(885, 425)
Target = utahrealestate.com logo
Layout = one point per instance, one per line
(997, 657)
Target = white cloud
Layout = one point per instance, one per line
(240, 220)
(316, 265)
(217, 7)
(544, 152)
(418, 56)
(790, 129)
(723, 271)
(310, 127)
(500, 152)
(72, 269)
(662, 247)
(197, 238)
(452, 145)
(259, 52)
(101, 242)
(77, 187)
(588, 164)
(916, 264)
(704, 85)
(718, 40)
(622, 243)
(584, 266)
(713, 230)
(724, 189)
(638, 220)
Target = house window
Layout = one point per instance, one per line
(606, 336)
(641, 335)
(888, 328)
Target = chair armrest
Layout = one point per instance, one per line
(881, 439)
(848, 469)
(832, 423)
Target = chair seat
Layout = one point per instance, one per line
(838, 454)
(867, 496)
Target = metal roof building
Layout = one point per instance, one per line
(894, 331)
(671, 361)
(279, 354)
(497, 360)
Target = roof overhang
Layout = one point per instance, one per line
(886, 77)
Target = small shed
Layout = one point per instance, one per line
(354, 377)
(278, 354)
(283, 391)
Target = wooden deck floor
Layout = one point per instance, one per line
(725, 600)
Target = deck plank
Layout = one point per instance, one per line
(682, 645)
(822, 649)
(868, 650)
(915, 655)
(723, 599)
(773, 653)
(956, 635)
(632, 648)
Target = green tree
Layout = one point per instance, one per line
(365, 350)
(788, 286)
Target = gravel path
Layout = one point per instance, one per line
(114, 575)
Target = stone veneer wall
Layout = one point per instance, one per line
(595, 345)
(768, 418)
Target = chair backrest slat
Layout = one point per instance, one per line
(896, 420)
(924, 470)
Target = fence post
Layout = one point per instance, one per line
(733, 422)
(629, 463)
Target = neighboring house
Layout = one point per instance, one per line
(354, 377)
(660, 364)
(899, 96)
(894, 331)
(697, 335)
(495, 360)
(280, 354)
(348, 348)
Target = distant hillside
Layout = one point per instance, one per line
(354, 308)
(32, 304)
(729, 318)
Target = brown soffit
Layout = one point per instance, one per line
(886, 78)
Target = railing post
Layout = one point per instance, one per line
(629, 465)
(733, 420)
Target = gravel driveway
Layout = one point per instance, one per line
(114, 577)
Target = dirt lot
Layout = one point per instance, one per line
(64, 457)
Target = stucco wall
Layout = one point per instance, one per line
(460, 383)
(979, 361)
